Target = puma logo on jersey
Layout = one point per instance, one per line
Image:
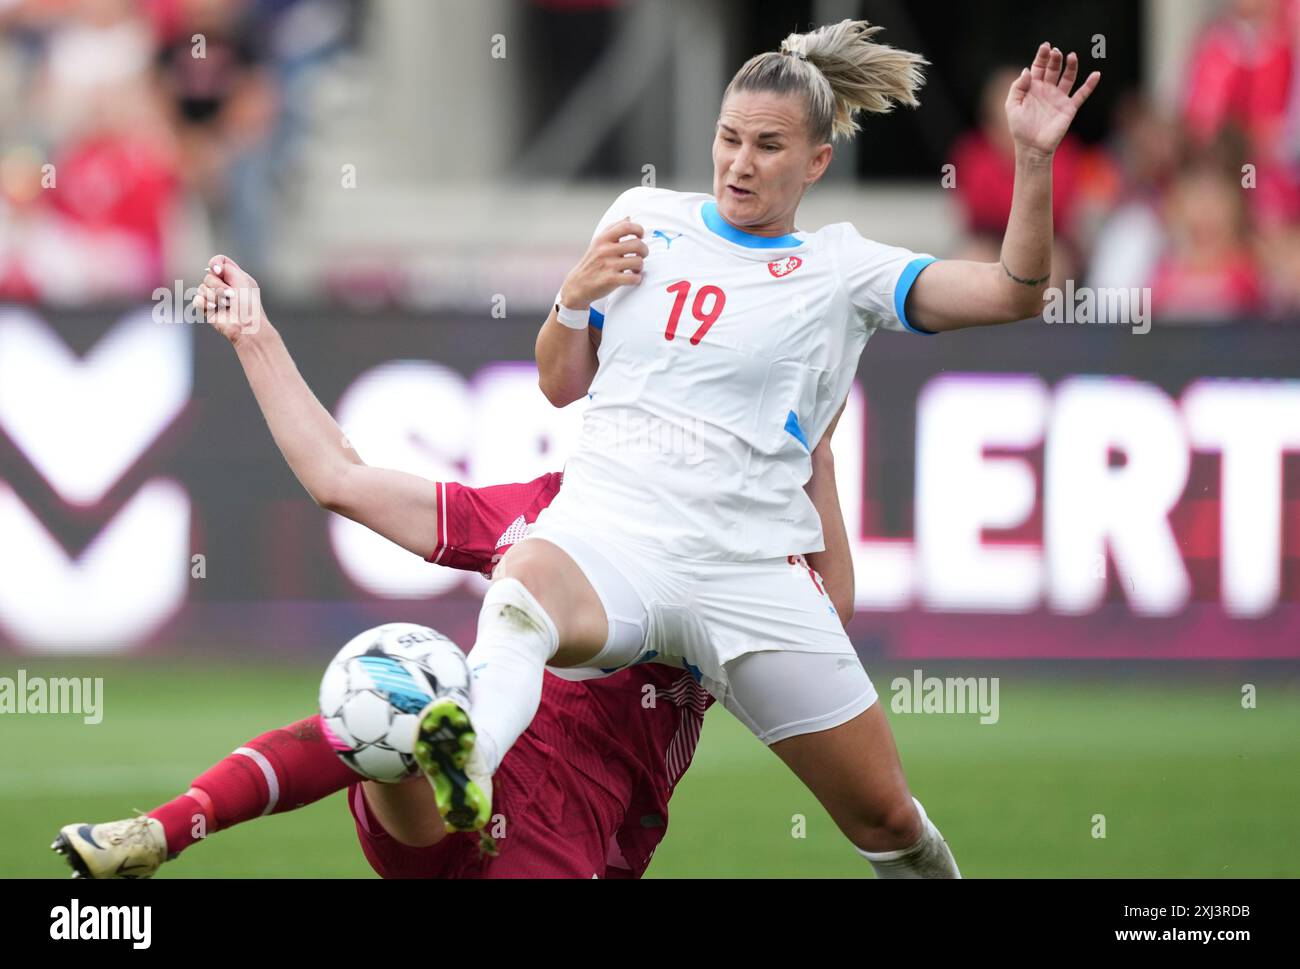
(784, 267)
(668, 237)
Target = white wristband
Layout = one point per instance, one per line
(573, 319)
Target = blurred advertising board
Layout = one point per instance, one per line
(1031, 491)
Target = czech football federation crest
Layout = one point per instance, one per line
(784, 267)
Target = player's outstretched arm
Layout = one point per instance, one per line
(566, 356)
(953, 294)
(835, 564)
(402, 507)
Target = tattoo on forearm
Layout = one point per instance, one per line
(1024, 282)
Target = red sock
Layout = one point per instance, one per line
(278, 771)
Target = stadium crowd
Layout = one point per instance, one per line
(132, 131)
(1199, 201)
(124, 144)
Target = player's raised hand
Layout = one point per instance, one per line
(1040, 107)
(230, 299)
(615, 258)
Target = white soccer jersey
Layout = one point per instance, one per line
(720, 372)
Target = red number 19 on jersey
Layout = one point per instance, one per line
(702, 295)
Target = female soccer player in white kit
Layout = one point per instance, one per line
(728, 339)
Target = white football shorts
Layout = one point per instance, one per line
(761, 636)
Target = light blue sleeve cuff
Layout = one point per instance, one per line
(904, 286)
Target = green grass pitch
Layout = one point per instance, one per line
(1189, 782)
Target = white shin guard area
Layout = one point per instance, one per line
(515, 639)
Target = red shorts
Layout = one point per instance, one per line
(555, 822)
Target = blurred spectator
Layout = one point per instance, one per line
(1282, 266)
(117, 189)
(1241, 72)
(20, 191)
(214, 76)
(90, 222)
(1243, 75)
(303, 38)
(1145, 149)
(97, 60)
(1208, 272)
(136, 132)
(986, 165)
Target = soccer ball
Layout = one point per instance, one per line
(374, 689)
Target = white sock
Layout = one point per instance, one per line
(515, 639)
(928, 858)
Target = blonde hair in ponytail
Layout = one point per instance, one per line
(838, 70)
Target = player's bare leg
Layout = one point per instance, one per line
(854, 771)
(406, 810)
(540, 608)
(560, 588)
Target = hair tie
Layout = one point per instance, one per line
(794, 53)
